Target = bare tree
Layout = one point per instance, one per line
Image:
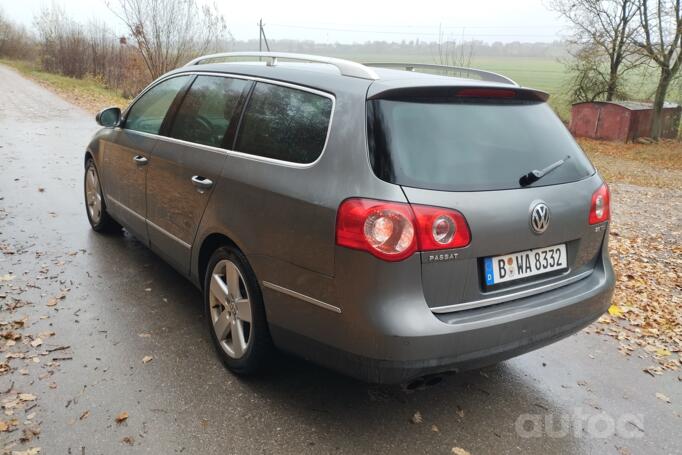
(169, 32)
(62, 42)
(601, 45)
(661, 39)
(15, 42)
(452, 53)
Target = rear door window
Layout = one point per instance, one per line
(148, 112)
(207, 110)
(470, 146)
(285, 124)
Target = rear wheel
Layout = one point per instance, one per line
(235, 313)
(99, 218)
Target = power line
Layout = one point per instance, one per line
(431, 27)
(396, 32)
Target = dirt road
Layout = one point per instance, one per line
(110, 303)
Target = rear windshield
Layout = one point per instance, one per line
(470, 146)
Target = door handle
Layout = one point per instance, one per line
(139, 159)
(202, 182)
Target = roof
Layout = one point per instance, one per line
(632, 105)
(326, 77)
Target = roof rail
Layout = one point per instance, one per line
(346, 67)
(484, 75)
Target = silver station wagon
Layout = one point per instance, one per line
(375, 219)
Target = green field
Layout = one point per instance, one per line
(542, 73)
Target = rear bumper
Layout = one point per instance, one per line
(402, 342)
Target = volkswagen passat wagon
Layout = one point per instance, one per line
(383, 222)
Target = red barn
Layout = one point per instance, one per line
(621, 120)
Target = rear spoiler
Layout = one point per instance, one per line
(444, 93)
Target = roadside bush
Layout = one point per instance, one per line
(69, 48)
(15, 41)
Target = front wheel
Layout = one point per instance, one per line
(99, 218)
(234, 309)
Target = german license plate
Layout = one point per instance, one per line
(515, 266)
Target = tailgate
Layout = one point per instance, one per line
(500, 224)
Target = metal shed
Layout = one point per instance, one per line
(621, 120)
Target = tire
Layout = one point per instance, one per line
(233, 304)
(95, 208)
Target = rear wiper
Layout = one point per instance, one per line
(535, 175)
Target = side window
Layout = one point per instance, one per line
(285, 124)
(207, 109)
(147, 113)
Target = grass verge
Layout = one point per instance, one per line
(88, 93)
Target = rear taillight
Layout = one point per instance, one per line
(393, 231)
(600, 208)
(440, 228)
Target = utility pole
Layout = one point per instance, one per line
(261, 37)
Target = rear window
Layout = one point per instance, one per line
(285, 124)
(470, 145)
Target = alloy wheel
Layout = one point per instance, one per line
(230, 309)
(93, 195)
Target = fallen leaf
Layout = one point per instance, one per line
(32, 451)
(460, 411)
(417, 417)
(615, 311)
(128, 440)
(84, 415)
(122, 417)
(435, 429)
(37, 342)
(147, 359)
(662, 397)
(51, 301)
(460, 451)
(27, 397)
(7, 277)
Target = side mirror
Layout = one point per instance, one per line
(108, 117)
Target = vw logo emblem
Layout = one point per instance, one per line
(539, 217)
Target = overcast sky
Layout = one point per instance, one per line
(352, 20)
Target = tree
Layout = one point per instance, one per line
(451, 53)
(62, 42)
(169, 32)
(15, 42)
(601, 45)
(660, 40)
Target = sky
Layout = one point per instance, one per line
(348, 21)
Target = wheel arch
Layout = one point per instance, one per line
(209, 244)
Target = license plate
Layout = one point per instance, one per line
(515, 266)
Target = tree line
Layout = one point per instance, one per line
(612, 39)
(161, 35)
